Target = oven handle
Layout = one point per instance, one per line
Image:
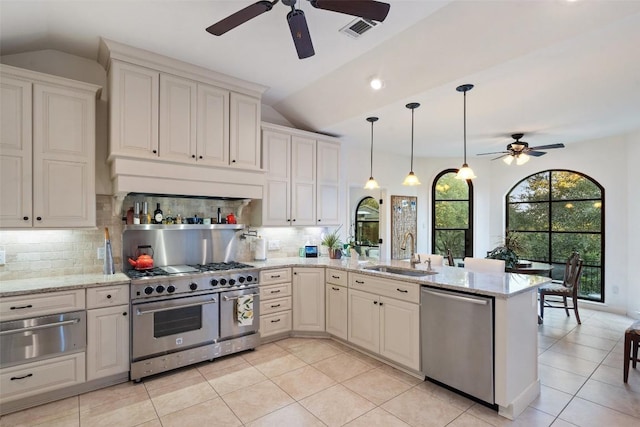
(34, 328)
(174, 307)
(226, 298)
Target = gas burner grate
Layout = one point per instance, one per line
(139, 274)
(221, 266)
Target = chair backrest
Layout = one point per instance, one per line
(484, 265)
(436, 260)
(573, 272)
(450, 258)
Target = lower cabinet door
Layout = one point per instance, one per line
(364, 320)
(308, 299)
(276, 323)
(337, 309)
(34, 378)
(400, 332)
(107, 341)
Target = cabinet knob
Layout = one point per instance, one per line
(319, 220)
(199, 157)
(26, 218)
(155, 151)
(294, 220)
(375, 302)
(233, 161)
(124, 314)
(109, 296)
(39, 218)
(380, 304)
(193, 156)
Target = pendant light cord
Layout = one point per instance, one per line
(371, 169)
(412, 111)
(465, 126)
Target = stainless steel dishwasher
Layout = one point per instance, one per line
(457, 341)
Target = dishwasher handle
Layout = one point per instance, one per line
(458, 297)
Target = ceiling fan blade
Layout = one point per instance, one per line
(368, 9)
(495, 152)
(536, 153)
(300, 33)
(547, 147)
(500, 157)
(240, 17)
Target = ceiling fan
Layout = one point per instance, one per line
(520, 151)
(367, 9)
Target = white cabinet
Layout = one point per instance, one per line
(47, 151)
(212, 146)
(177, 119)
(275, 302)
(302, 181)
(385, 325)
(336, 301)
(328, 183)
(41, 304)
(244, 134)
(107, 331)
(308, 299)
(133, 110)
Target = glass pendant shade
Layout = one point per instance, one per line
(371, 184)
(522, 159)
(465, 171)
(508, 160)
(411, 178)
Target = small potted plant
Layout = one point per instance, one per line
(333, 243)
(507, 250)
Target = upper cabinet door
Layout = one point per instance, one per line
(245, 132)
(15, 153)
(63, 157)
(276, 208)
(328, 183)
(178, 101)
(213, 126)
(303, 181)
(133, 110)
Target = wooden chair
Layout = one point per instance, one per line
(567, 288)
(436, 260)
(484, 265)
(450, 258)
(631, 344)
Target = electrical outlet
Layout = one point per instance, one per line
(100, 253)
(2, 257)
(274, 245)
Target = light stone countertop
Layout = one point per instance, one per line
(502, 285)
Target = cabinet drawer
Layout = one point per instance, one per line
(269, 277)
(107, 296)
(336, 277)
(386, 287)
(34, 305)
(275, 291)
(272, 324)
(275, 305)
(40, 377)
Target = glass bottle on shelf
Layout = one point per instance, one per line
(157, 215)
(136, 213)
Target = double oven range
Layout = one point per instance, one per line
(186, 314)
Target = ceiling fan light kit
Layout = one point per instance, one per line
(465, 172)
(371, 184)
(411, 178)
(520, 151)
(367, 9)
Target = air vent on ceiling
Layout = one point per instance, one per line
(357, 27)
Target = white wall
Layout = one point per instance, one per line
(632, 227)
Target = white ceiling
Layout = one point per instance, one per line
(555, 70)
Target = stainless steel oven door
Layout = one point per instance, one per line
(173, 324)
(230, 326)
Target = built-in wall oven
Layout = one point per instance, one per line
(190, 313)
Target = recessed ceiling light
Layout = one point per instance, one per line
(376, 83)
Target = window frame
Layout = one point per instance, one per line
(357, 221)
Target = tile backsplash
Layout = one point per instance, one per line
(48, 253)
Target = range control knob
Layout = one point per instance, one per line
(193, 286)
(232, 282)
(249, 278)
(214, 282)
(148, 290)
(159, 289)
(171, 289)
(223, 282)
(241, 279)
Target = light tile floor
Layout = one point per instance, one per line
(319, 382)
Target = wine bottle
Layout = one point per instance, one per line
(157, 215)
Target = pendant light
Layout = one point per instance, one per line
(372, 184)
(411, 179)
(465, 171)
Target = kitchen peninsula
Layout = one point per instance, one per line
(515, 380)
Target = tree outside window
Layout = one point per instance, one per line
(556, 212)
(452, 212)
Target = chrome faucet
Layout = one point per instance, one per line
(428, 261)
(415, 259)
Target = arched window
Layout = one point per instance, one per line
(555, 212)
(367, 222)
(452, 215)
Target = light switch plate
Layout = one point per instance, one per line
(274, 245)
(2, 257)
(101, 253)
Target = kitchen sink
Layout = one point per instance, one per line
(399, 270)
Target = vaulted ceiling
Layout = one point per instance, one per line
(556, 70)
